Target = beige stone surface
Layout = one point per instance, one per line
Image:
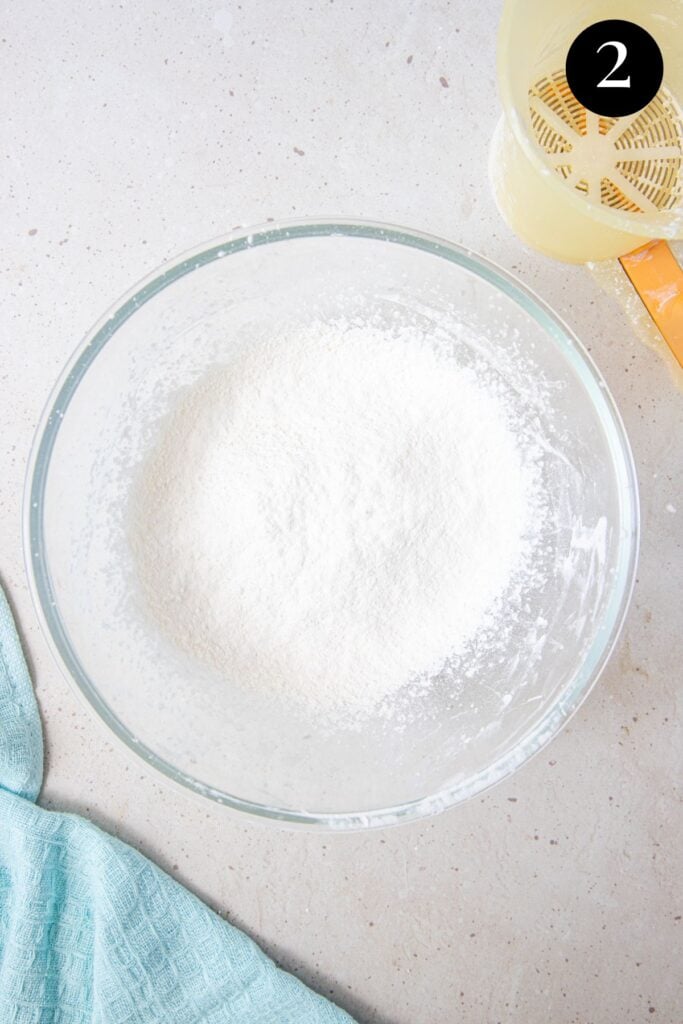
(132, 131)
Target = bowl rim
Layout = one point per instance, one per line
(587, 673)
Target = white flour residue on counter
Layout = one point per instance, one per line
(332, 514)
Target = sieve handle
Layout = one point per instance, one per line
(658, 279)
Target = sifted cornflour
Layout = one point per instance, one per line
(331, 515)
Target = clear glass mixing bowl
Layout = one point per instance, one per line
(206, 733)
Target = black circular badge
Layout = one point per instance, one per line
(614, 68)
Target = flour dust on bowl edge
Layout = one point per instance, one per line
(484, 712)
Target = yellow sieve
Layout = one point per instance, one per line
(585, 188)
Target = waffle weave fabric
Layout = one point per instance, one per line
(91, 932)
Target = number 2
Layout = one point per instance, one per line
(615, 83)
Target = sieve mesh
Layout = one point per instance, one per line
(630, 163)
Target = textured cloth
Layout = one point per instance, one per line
(91, 932)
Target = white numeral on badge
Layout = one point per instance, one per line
(615, 83)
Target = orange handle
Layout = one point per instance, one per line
(658, 279)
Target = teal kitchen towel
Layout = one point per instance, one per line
(91, 932)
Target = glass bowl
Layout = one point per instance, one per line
(478, 723)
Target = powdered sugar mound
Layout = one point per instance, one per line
(332, 515)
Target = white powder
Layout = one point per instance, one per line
(331, 515)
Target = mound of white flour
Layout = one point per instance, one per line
(331, 515)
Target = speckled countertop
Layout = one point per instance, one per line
(133, 131)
